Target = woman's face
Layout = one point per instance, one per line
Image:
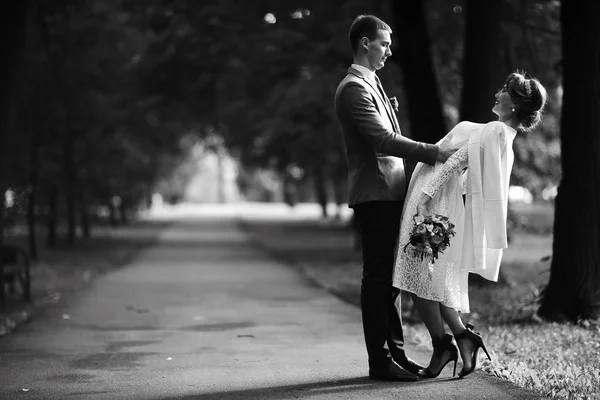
(504, 105)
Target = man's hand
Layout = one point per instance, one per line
(445, 150)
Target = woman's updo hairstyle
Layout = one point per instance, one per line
(529, 97)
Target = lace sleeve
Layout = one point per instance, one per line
(457, 162)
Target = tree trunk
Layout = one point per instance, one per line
(289, 189)
(32, 222)
(148, 197)
(573, 290)
(33, 187)
(113, 208)
(52, 216)
(424, 105)
(71, 191)
(339, 193)
(2, 212)
(13, 31)
(123, 210)
(71, 216)
(321, 189)
(483, 73)
(84, 217)
(221, 196)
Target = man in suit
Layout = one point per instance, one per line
(377, 183)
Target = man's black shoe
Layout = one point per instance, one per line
(392, 372)
(407, 363)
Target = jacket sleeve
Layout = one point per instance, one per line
(356, 103)
(493, 143)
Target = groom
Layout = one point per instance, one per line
(377, 183)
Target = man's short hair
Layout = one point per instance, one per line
(365, 26)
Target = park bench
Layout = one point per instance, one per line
(15, 270)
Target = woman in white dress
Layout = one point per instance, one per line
(480, 169)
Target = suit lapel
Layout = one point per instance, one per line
(378, 93)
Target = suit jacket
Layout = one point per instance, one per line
(375, 148)
(490, 164)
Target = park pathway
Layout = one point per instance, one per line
(206, 315)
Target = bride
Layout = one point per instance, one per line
(480, 168)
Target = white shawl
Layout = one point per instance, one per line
(490, 164)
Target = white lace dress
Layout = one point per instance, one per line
(443, 280)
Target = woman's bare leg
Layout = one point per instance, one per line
(452, 318)
(465, 347)
(429, 311)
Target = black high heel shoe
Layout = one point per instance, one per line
(477, 343)
(441, 346)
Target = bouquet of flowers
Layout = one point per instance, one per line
(430, 236)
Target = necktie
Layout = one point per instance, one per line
(388, 105)
(385, 99)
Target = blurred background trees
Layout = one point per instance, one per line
(105, 103)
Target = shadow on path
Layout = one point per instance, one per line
(361, 387)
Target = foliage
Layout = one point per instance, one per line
(562, 365)
(534, 28)
(116, 84)
(266, 84)
(531, 42)
(84, 126)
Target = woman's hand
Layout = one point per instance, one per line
(422, 207)
(421, 210)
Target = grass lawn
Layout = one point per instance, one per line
(64, 269)
(558, 360)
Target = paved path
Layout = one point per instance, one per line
(204, 315)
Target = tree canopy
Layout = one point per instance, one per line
(112, 91)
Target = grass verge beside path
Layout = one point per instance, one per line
(557, 360)
(65, 269)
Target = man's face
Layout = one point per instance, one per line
(378, 50)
